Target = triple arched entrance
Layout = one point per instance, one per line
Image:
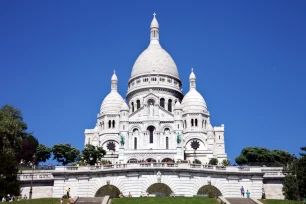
(159, 189)
(110, 190)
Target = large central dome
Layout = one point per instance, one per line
(154, 60)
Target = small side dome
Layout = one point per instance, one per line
(193, 102)
(124, 107)
(177, 106)
(112, 103)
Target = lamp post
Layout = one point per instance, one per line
(33, 162)
(297, 181)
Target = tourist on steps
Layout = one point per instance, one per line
(248, 194)
(242, 191)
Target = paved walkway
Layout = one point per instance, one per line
(95, 200)
(240, 201)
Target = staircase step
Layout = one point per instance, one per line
(95, 200)
(240, 201)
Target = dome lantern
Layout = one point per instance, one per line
(154, 31)
(114, 82)
(192, 79)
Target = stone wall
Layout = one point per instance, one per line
(38, 191)
(273, 189)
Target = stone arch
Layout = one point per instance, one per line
(135, 126)
(132, 160)
(166, 126)
(110, 190)
(210, 190)
(192, 137)
(151, 159)
(133, 157)
(166, 159)
(159, 189)
(151, 100)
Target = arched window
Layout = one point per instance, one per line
(178, 126)
(219, 137)
(135, 132)
(167, 143)
(114, 123)
(103, 125)
(89, 140)
(123, 127)
(205, 123)
(185, 124)
(150, 130)
(196, 122)
(170, 105)
(191, 122)
(151, 101)
(132, 104)
(109, 124)
(135, 142)
(138, 104)
(166, 131)
(202, 123)
(162, 102)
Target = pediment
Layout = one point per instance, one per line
(151, 113)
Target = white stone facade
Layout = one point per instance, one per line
(156, 114)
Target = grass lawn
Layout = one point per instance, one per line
(41, 201)
(271, 201)
(165, 200)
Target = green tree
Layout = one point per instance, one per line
(258, 156)
(294, 184)
(12, 128)
(213, 161)
(289, 187)
(91, 154)
(8, 174)
(64, 153)
(43, 153)
(226, 162)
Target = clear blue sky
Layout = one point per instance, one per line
(57, 58)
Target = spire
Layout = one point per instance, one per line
(154, 31)
(192, 79)
(114, 82)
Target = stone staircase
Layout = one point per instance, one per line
(240, 201)
(95, 200)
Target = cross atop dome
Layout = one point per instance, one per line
(154, 14)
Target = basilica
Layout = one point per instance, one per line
(157, 122)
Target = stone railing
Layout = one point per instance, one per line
(26, 176)
(272, 172)
(165, 165)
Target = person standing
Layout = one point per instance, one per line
(263, 196)
(242, 191)
(248, 194)
(68, 192)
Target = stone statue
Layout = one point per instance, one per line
(122, 140)
(151, 109)
(178, 138)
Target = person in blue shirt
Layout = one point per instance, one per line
(248, 194)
